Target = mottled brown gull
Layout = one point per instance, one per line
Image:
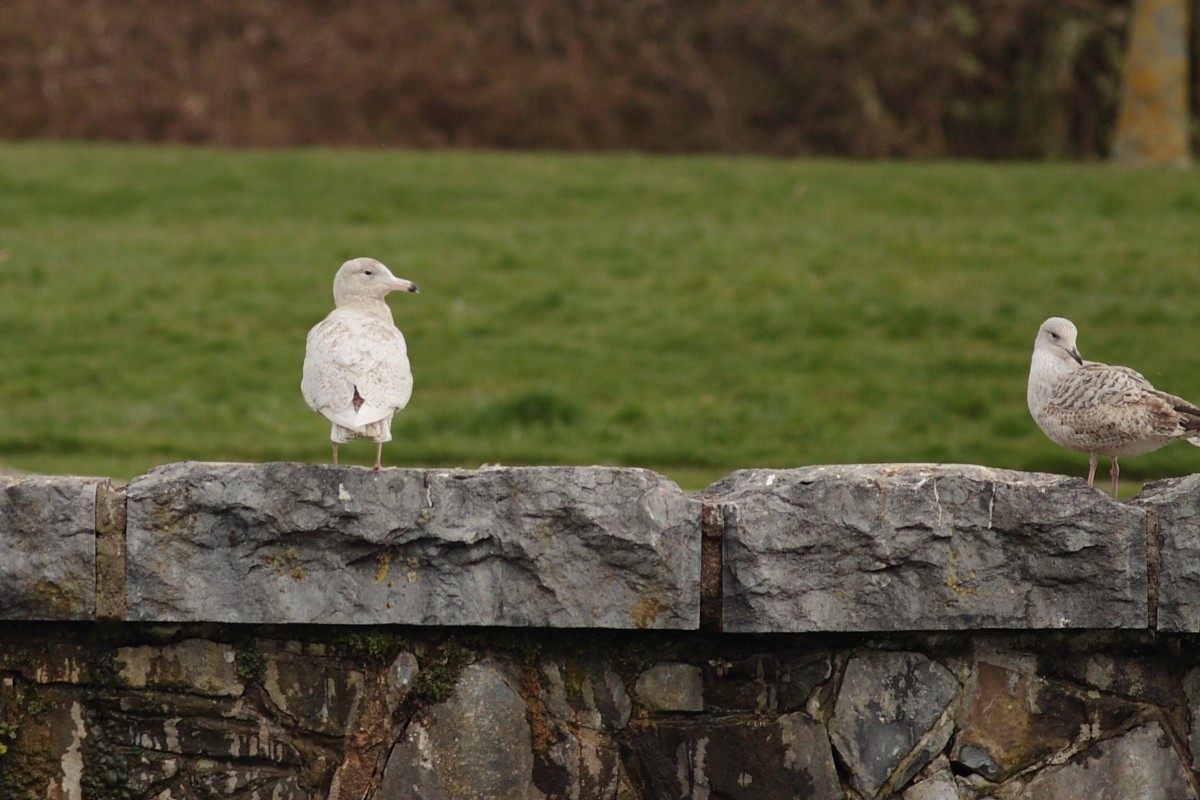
(1099, 409)
(356, 371)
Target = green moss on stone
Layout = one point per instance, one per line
(8, 732)
(372, 648)
(572, 677)
(524, 647)
(437, 677)
(249, 661)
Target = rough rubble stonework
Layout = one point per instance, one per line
(442, 714)
(48, 541)
(537, 546)
(926, 547)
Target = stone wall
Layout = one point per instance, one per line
(288, 631)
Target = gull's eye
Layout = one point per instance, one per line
(1053, 335)
(368, 272)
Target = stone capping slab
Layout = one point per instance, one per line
(856, 548)
(48, 546)
(590, 547)
(899, 547)
(1174, 507)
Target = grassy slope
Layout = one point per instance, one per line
(693, 315)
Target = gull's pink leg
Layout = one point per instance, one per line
(1115, 471)
(1091, 469)
(334, 451)
(378, 456)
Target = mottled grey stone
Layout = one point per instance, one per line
(765, 681)
(401, 675)
(1175, 502)
(1124, 675)
(596, 698)
(670, 686)
(578, 704)
(318, 696)
(889, 719)
(581, 763)
(737, 759)
(151, 769)
(193, 665)
(1140, 763)
(256, 740)
(59, 733)
(939, 786)
(926, 547)
(295, 543)
(48, 537)
(246, 783)
(800, 674)
(475, 744)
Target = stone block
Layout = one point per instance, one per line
(737, 759)
(48, 537)
(475, 744)
(1012, 719)
(587, 693)
(670, 686)
(781, 681)
(581, 763)
(890, 718)
(575, 707)
(318, 696)
(926, 547)
(249, 783)
(939, 786)
(194, 665)
(294, 543)
(207, 737)
(400, 676)
(1175, 504)
(1141, 763)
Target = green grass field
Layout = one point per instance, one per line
(692, 315)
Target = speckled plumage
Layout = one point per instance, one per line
(1099, 409)
(356, 370)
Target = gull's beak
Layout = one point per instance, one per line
(1074, 350)
(401, 285)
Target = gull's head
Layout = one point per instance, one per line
(1056, 338)
(366, 279)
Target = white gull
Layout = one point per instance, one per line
(1099, 409)
(356, 371)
